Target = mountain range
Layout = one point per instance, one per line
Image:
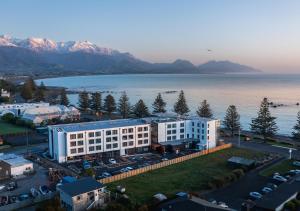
(41, 57)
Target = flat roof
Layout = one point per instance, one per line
(241, 160)
(96, 125)
(14, 160)
(81, 186)
(280, 195)
(178, 119)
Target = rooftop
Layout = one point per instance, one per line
(14, 160)
(80, 186)
(241, 160)
(99, 125)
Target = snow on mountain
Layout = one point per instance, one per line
(47, 45)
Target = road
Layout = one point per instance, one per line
(21, 150)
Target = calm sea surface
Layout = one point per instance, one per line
(243, 90)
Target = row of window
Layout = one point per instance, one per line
(169, 138)
(174, 131)
(174, 125)
(93, 148)
(111, 146)
(76, 143)
(78, 150)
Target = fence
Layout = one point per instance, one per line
(163, 164)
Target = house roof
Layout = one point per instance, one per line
(80, 186)
(241, 160)
(14, 160)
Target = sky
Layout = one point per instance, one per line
(264, 34)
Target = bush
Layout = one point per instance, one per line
(9, 118)
(290, 206)
(238, 172)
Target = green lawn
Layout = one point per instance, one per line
(192, 175)
(6, 128)
(281, 167)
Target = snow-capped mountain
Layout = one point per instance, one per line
(47, 45)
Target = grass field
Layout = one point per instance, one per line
(6, 128)
(192, 175)
(281, 167)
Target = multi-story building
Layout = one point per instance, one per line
(128, 136)
(110, 138)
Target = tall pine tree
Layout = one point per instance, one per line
(296, 131)
(39, 95)
(109, 104)
(204, 110)
(26, 92)
(140, 109)
(64, 98)
(84, 101)
(232, 119)
(124, 105)
(264, 124)
(181, 107)
(96, 102)
(159, 104)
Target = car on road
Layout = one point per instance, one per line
(112, 161)
(279, 178)
(296, 163)
(267, 190)
(44, 190)
(255, 195)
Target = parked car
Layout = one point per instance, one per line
(255, 195)
(124, 170)
(2, 187)
(112, 161)
(279, 178)
(267, 190)
(294, 171)
(11, 186)
(164, 159)
(44, 189)
(86, 164)
(222, 204)
(296, 163)
(106, 174)
(129, 168)
(272, 186)
(34, 192)
(23, 196)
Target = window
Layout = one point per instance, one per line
(169, 132)
(108, 133)
(169, 138)
(181, 136)
(73, 136)
(108, 139)
(80, 135)
(124, 137)
(202, 125)
(108, 146)
(130, 130)
(115, 138)
(207, 131)
(198, 124)
(181, 130)
(208, 125)
(80, 143)
(124, 130)
(174, 125)
(198, 130)
(73, 151)
(115, 145)
(130, 143)
(173, 131)
(98, 147)
(130, 136)
(202, 137)
(80, 150)
(146, 141)
(145, 128)
(98, 140)
(140, 129)
(193, 130)
(207, 137)
(198, 136)
(173, 137)
(169, 126)
(78, 198)
(140, 135)
(98, 133)
(193, 124)
(91, 141)
(124, 144)
(140, 142)
(91, 134)
(91, 148)
(115, 132)
(202, 131)
(73, 143)
(181, 124)
(145, 135)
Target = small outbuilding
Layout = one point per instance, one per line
(241, 162)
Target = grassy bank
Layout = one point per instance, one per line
(191, 175)
(6, 128)
(281, 167)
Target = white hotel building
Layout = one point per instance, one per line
(128, 136)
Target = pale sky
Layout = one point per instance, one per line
(264, 34)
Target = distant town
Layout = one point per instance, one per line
(106, 154)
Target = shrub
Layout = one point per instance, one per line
(238, 172)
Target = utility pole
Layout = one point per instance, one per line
(27, 141)
(239, 138)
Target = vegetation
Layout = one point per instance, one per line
(124, 105)
(296, 131)
(181, 107)
(232, 120)
(50, 205)
(191, 175)
(84, 101)
(10, 124)
(292, 205)
(140, 109)
(96, 102)
(64, 98)
(28, 89)
(204, 110)
(109, 104)
(159, 105)
(281, 167)
(264, 124)
(39, 94)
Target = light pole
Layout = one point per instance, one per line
(239, 138)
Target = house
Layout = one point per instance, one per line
(18, 109)
(82, 194)
(4, 93)
(12, 165)
(127, 136)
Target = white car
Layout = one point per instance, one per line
(279, 178)
(296, 163)
(255, 195)
(222, 204)
(112, 161)
(266, 190)
(294, 171)
(129, 168)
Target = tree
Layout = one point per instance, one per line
(159, 104)
(181, 106)
(63, 98)
(42, 86)
(96, 102)
(26, 92)
(296, 132)
(140, 109)
(30, 82)
(232, 119)
(109, 104)
(124, 105)
(84, 101)
(264, 124)
(39, 95)
(204, 110)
